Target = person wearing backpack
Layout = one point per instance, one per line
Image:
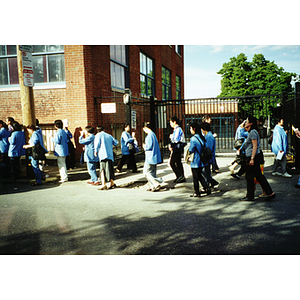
(211, 144)
(196, 144)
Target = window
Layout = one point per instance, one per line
(178, 87)
(118, 66)
(146, 75)
(178, 49)
(48, 64)
(166, 83)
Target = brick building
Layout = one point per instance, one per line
(75, 82)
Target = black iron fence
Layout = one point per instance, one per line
(225, 114)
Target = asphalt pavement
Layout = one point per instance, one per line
(77, 218)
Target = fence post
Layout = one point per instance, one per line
(152, 114)
(297, 123)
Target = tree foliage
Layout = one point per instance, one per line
(258, 77)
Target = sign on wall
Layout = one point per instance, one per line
(108, 108)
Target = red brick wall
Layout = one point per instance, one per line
(87, 75)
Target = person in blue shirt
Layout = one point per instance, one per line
(87, 138)
(196, 143)
(16, 150)
(70, 159)
(103, 145)
(128, 150)
(176, 147)
(210, 142)
(4, 145)
(61, 149)
(34, 139)
(280, 144)
(152, 158)
(240, 134)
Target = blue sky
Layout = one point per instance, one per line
(202, 62)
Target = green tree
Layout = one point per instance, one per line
(259, 77)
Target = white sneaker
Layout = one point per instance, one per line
(286, 175)
(276, 174)
(63, 180)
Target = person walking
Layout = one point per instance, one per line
(196, 165)
(87, 139)
(152, 158)
(70, 159)
(128, 150)
(15, 149)
(176, 147)
(4, 145)
(279, 147)
(253, 161)
(61, 150)
(240, 136)
(211, 144)
(103, 148)
(34, 140)
(215, 167)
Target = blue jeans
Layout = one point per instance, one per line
(150, 173)
(92, 166)
(37, 172)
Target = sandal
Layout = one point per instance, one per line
(195, 195)
(112, 186)
(103, 188)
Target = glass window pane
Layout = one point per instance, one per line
(13, 70)
(113, 52)
(163, 74)
(54, 48)
(39, 69)
(3, 72)
(149, 87)
(142, 63)
(56, 67)
(39, 48)
(164, 92)
(112, 74)
(143, 84)
(2, 50)
(149, 67)
(168, 79)
(11, 50)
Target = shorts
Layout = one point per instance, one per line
(106, 165)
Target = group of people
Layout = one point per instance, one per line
(98, 151)
(13, 147)
(279, 146)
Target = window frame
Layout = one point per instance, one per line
(178, 90)
(37, 85)
(146, 75)
(166, 87)
(121, 64)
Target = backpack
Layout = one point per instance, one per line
(206, 153)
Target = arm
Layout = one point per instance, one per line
(254, 143)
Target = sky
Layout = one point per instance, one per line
(202, 62)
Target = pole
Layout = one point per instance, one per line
(26, 94)
(27, 103)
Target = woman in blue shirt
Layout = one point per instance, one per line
(152, 158)
(87, 138)
(196, 143)
(127, 154)
(15, 149)
(4, 145)
(61, 150)
(34, 139)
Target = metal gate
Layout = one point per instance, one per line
(225, 114)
